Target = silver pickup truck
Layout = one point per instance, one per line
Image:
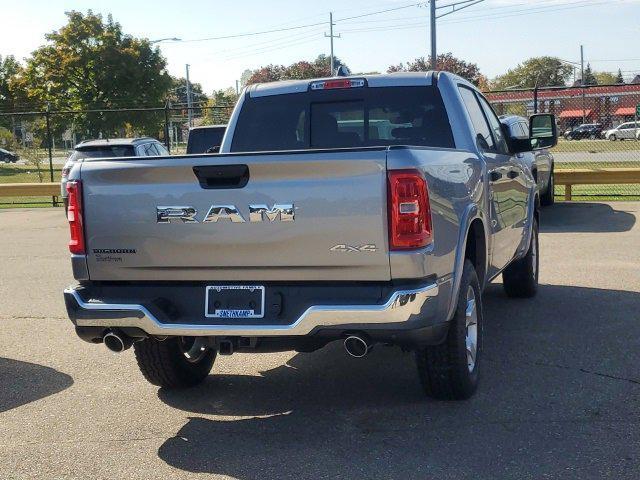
(370, 209)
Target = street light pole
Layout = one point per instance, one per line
(189, 114)
(168, 39)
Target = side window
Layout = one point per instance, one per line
(150, 150)
(480, 125)
(496, 127)
(161, 149)
(525, 130)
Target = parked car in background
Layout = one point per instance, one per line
(110, 148)
(8, 157)
(540, 161)
(205, 139)
(591, 131)
(624, 131)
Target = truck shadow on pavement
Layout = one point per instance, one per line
(556, 372)
(23, 382)
(583, 217)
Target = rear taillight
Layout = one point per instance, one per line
(74, 215)
(409, 210)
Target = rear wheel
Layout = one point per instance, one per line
(520, 279)
(177, 362)
(548, 198)
(449, 371)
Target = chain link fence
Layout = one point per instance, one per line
(598, 128)
(43, 140)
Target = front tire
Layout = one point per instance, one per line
(612, 137)
(520, 279)
(449, 371)
(177, 362)
(548, 198)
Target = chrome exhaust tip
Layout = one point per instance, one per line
(117, 342)
(357, 346)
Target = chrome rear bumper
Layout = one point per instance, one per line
(400, 307)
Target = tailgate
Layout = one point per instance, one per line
(338, 230)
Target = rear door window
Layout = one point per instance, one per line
(479, 122)
(494, 123)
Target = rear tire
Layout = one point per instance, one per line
(449, 371)
(520, 279)
(177, 362)
(548, 198)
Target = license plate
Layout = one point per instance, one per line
(234, 301)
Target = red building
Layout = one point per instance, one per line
(609, 105)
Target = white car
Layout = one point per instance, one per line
(624, 131)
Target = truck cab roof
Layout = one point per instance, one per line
(398, 79)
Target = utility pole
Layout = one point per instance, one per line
(331, 36)
(584, 117)
(189, 113)
(432, 6)
(237, 88)
(449, 9)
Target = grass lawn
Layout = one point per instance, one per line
(10, 173)
(27, 202)
(596, 146)
(562, 165)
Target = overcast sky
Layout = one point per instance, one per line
(495, 34)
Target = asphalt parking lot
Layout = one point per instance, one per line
(559, 395)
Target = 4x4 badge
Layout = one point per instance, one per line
(369, 247)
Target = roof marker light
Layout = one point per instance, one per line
(337, 83)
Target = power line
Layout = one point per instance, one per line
(296, 27)
(522, 12)
(382, 11)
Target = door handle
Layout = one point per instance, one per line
(512, 174)
(494, 176)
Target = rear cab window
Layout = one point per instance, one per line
(343, 118)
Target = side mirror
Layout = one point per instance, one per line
(543, 131)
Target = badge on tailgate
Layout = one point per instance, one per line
(283, 212)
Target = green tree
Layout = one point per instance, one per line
(178, 92)
(10, 72)
(540, 71)
(447, 62)
(619, 77)
(589, 76)
(220, 105)
(320, 67)
(92, 64)
(605, 78)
